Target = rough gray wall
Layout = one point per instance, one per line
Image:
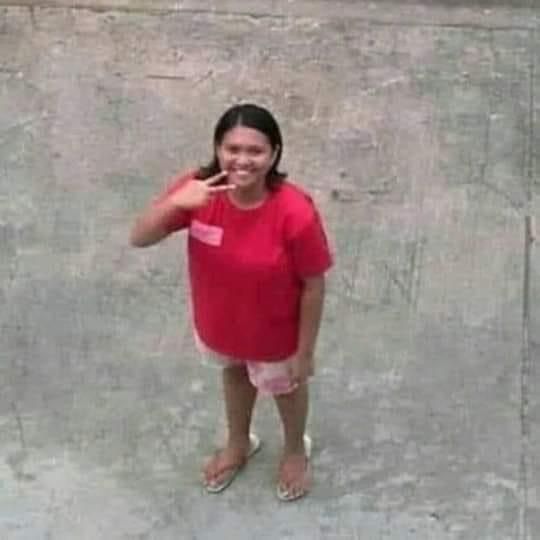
(419, 144)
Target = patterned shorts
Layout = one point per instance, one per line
(270, 378)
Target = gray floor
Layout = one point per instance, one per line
(414, 126)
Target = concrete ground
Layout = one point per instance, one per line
(414, 126)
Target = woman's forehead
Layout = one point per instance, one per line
(245, 136)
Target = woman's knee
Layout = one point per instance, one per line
(239, 373)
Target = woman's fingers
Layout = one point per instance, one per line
(216, 178)
(226, 187)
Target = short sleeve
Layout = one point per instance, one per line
(308, 245)
(180, 219)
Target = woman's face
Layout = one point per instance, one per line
(247, 155)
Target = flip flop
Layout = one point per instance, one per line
(283, 494)
(233, 470)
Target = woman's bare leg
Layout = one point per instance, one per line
(293, 409)
(240, 396)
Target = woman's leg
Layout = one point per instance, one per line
(240, 396)
(293, 409)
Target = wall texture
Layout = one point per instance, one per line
(414, 126)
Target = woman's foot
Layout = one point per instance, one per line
(295, 474)
(224, 465)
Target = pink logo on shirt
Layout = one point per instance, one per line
(207, 234)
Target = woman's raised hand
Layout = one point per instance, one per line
(196, 193)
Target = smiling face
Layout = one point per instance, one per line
(247, 155)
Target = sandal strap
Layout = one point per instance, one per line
(229, 465)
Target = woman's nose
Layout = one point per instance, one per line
(242, 159)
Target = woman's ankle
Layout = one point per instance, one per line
(294, 446)
(238, 441)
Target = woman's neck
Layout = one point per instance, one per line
(249, 197)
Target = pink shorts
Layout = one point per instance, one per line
(270, 378)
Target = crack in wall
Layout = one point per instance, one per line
(104, 7)
(525, 367)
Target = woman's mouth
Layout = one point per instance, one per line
(242, 173)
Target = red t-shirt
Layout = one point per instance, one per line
(246, 269)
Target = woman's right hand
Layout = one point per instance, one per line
(196, 193)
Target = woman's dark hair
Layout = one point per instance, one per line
(254, 117)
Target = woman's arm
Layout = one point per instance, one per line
(150, 227)
(172, 210)
(311, 309)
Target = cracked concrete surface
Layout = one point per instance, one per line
(414, 125)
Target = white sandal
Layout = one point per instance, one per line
(232, 472)
(283, 494)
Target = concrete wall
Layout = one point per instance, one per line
(414, 126)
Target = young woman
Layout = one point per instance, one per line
(257, 257)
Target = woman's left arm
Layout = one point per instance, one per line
(311, 258)
(311, 309)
